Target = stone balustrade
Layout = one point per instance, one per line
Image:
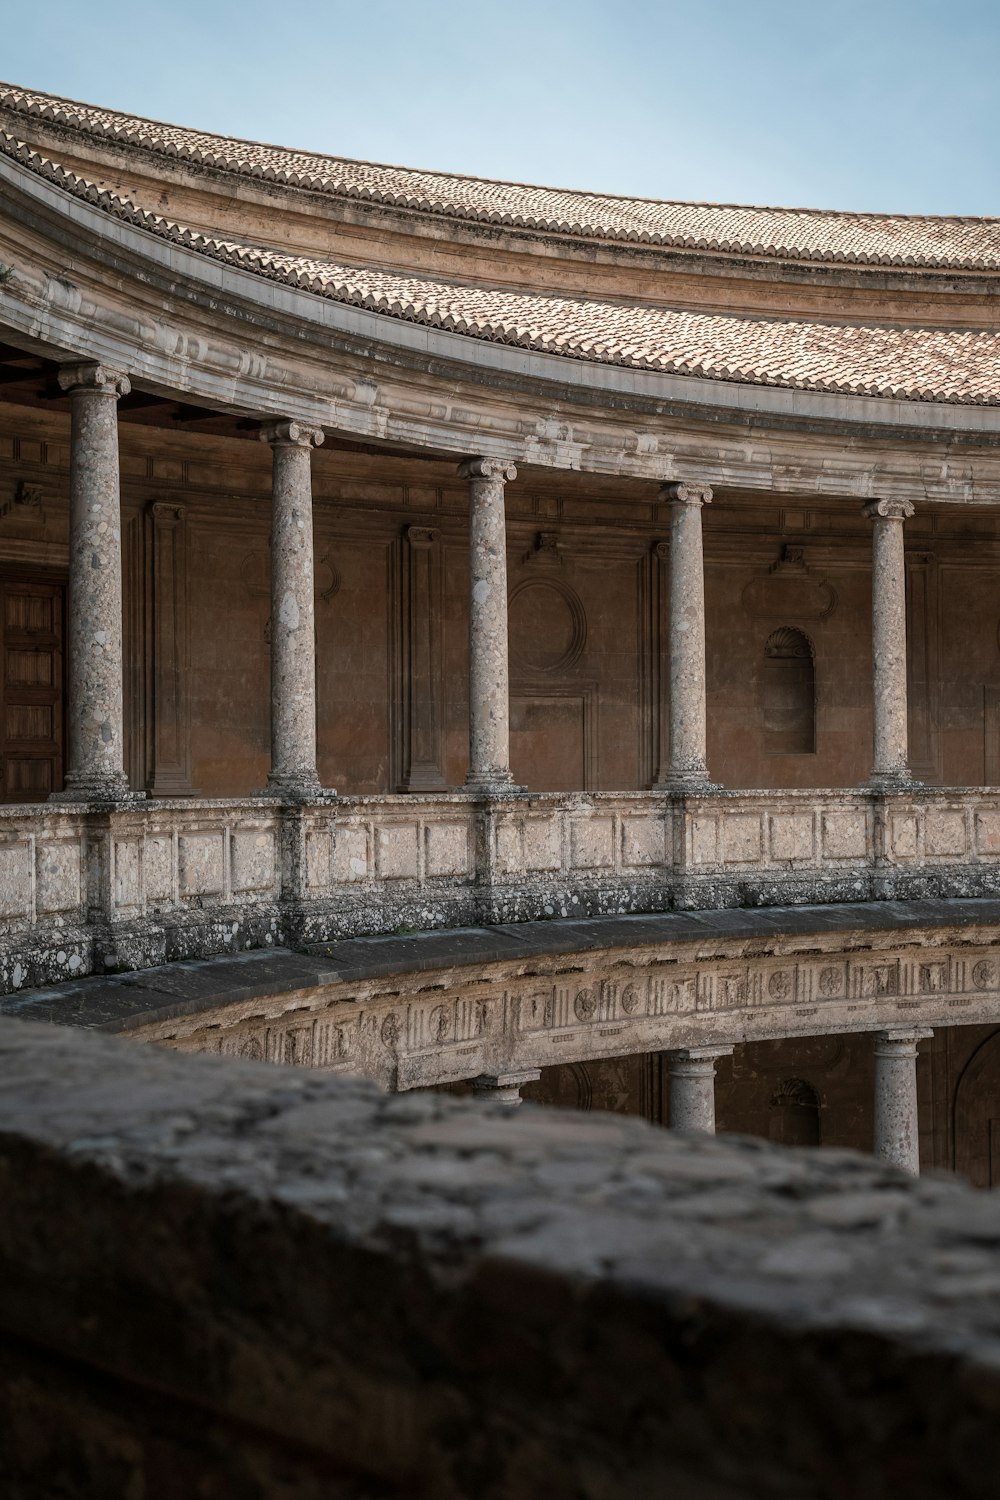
(428, 1296)
(128, 886)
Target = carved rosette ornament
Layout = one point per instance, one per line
(688, 765)
(489, 686)
(890, 765)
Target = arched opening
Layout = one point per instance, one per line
(794, 1114)
(789, 680)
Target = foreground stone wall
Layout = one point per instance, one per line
(217, 1275)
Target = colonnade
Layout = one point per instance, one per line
(896, 1139)
(96, 770)
(691, 1071)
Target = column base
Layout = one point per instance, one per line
(892, 781)
(107, 791)
(494, 786)
(692, 783)
(294, 789)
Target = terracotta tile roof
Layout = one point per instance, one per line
(909, 363)
(791, 234)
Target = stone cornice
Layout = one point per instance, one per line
(367, 376)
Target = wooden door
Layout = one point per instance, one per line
(31, 689)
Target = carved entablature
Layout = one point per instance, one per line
(789, 590)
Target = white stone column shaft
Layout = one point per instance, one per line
(688, 763)
(489, 689)
(692, 1087)
(293, 626)
(96, 769)
(896, 1125)
(890, 761)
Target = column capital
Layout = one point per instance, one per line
(487, 468)
(686, 494)
(290, 434)
(902, 1037)
(888, 510)
(422, 536)
(94, 377)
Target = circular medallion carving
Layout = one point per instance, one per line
(585, 1005)
(547, 625)
(390, 1030)
(779, 986)
(984, 974)
(831, 981)
(630, 1000)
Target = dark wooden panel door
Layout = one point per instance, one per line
(31, 689)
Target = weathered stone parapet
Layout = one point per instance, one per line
(421, 1289)
(692, 1087)
(897, 1138)
(95, 717)
(293, 627)
(688, 764)
(890, 760)
(489, 690)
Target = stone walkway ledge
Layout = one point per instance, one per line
(122, 1002)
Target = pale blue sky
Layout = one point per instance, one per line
(878, 104)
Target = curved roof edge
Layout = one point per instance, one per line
(910, 242)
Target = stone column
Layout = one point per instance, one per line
(688, 766)
(489, 695)
(293, 627)
(692, 1087)
(889, 757)
(896, 1128)
(504, 1088)
(96, 770)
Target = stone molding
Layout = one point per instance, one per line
(291, 434)
(96, 378)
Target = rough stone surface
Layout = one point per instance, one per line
(688, 721)
(96, 770)
(293, 627)
(282, 1282)
(890, 760)
(489, 693)
(897, 1139)
(692, 1087)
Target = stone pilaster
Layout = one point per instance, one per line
(96, 768)
(167, 727)
(896, 1124)
(422, 609)
(504, 1088)
(692, 1087)
(687, 767)
(489, 689)
(890, 764)
(293, 628)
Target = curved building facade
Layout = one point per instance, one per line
(609, 557)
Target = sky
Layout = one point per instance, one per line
(889, 105)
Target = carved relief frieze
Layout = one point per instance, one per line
(444, 1030)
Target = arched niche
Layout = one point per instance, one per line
(794, 1117)
(788, 679)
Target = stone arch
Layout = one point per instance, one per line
(976, 1115)
(788, 681)
(794, 1118)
